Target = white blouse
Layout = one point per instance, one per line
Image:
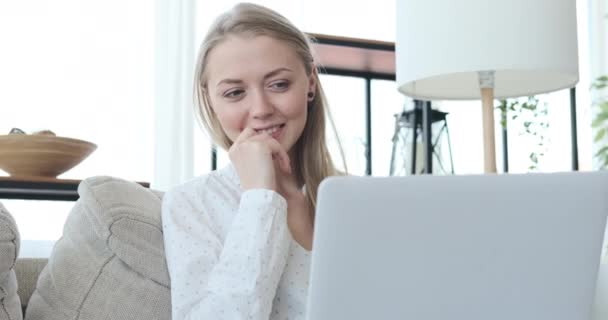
(230, 254)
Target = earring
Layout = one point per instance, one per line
(311, 96)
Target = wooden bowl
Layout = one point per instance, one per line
(41, 155)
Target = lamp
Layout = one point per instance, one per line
(485, 49)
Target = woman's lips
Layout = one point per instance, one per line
(275, 131)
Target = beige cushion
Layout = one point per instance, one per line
(27, 271)
(110, 261)
(10, 305)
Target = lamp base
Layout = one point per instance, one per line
(489, 144)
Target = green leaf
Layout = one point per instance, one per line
(602, 153)
(601, 79)
(600, 82)
(533, 157)
(600, 134)
(605, 163)
(599, 119)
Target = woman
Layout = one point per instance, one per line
(238, 239)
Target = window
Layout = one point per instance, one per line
(386, 103)
(83, 69)
(346, 99)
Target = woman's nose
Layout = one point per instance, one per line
(261, 106)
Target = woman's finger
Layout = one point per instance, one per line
(284, 161)
(276, 149)
(247, 133)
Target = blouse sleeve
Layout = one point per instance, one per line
(231, 279)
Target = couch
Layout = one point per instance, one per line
(108, 264)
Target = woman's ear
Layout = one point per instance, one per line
(312, 82)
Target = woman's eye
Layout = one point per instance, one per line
(280, 85)
(234, 93)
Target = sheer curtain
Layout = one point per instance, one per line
(173, 152)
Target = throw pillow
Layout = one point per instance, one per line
(10, 304)
(110, 261)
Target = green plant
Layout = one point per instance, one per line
(533, 117)
(600, 121)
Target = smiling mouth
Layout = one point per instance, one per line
(275, 131)
(272, 130)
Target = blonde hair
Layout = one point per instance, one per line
(312, 161)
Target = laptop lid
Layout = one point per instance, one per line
(523, 247)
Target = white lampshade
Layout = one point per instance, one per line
(442, 44)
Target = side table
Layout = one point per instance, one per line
(38, 188)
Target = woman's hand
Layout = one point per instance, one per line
(261, 162)
(253, 157)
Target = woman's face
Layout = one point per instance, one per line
(259, 82)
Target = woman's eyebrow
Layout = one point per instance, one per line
(229, 81)
(276, 71)
(266, 76)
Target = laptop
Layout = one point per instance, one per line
(487, 247)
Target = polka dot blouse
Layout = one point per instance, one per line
(230, 254)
